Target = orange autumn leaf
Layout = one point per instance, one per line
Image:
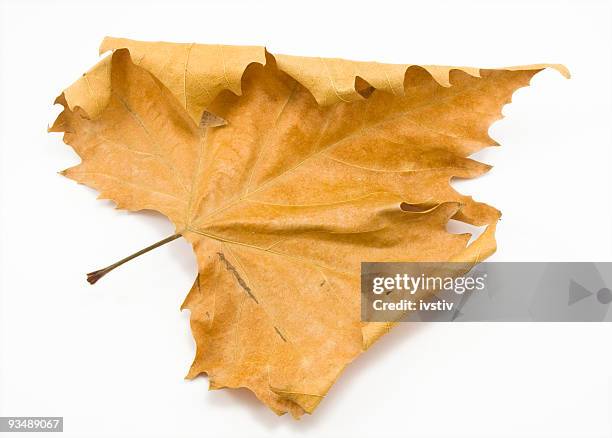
(285, 189)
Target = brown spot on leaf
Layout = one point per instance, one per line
(278, 332)
(237, 276)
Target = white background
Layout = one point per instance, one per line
(111, 358)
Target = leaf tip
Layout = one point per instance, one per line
(563, 70)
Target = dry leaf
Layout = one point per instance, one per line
(284, 190)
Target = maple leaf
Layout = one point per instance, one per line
(282, 198)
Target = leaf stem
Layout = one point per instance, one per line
(94, 276)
